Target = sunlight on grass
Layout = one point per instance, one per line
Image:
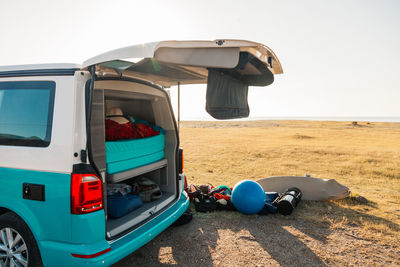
(365, 158)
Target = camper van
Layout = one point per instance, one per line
(90, 164)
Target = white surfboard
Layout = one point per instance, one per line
(311, 187)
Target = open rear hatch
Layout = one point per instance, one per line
(132, 78)
(228, 67)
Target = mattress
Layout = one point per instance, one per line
(128, 154)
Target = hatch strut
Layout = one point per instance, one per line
(89, 99)
(179, 106)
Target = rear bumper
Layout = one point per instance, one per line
(59, 254)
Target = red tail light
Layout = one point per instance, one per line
(86, 193)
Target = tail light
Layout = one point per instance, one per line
(180, 160)
(86, 193)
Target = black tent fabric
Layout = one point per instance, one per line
(226, 96)
(227, 89)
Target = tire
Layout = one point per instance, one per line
(24, 250)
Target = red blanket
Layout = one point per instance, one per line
(116, 131)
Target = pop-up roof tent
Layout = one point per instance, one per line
(228, 67)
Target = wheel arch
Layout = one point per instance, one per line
(4, 210)
(28, 237)
(26, 216)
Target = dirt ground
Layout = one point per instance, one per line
(366, 158)
(232, 239)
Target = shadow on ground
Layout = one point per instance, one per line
(230, 238)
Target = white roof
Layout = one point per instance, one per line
(40, 67)
(168, 63)
(145, 50)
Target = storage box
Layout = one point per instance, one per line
(119, 205)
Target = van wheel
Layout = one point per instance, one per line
(17, 244)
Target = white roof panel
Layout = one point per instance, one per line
(39, 67)
(134, 51)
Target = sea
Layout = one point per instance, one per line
(365, 119)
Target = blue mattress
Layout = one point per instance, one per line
(128, 154)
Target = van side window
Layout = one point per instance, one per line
(26, 113)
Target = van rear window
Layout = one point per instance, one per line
(26, 113)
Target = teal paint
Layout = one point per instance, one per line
(59, 254)
(59, 234)
(88, 228)
(49, 219)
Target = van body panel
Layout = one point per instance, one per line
(59, 254)
(35, 67)
(79, 115)
(130, 52)
(58, 156)
(88, 228)
(49, 219)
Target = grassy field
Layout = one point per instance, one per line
(366, 158)
(331, 233)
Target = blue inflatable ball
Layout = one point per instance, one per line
(248, 197)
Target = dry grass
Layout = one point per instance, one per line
(332, 233)
(365, 158)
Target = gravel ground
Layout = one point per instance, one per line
(233, 239)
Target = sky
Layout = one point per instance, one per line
(340, 58)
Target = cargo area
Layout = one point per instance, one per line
(138, 163)
(126, 79)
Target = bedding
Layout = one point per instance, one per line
(116, 131)
(128, 154)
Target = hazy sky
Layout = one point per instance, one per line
(340, 58)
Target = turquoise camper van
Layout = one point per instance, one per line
(59, 167)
